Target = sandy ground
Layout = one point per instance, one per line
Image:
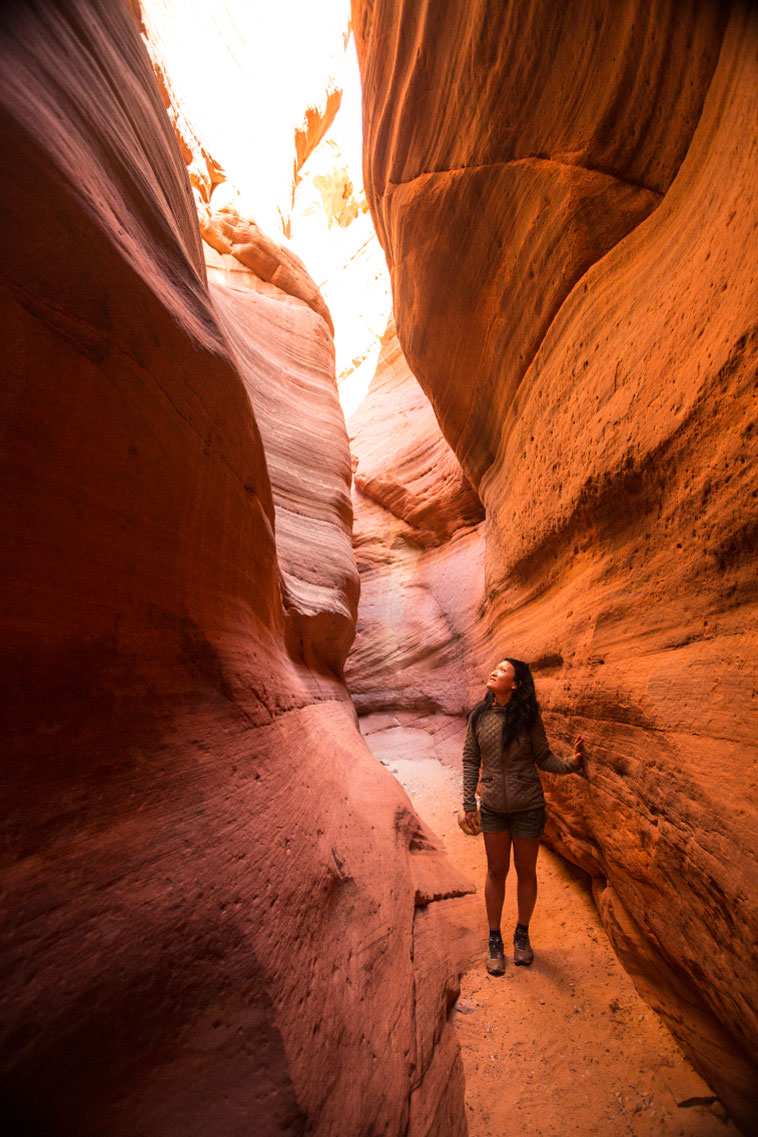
(566, 1046)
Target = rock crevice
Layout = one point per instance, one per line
(529, 160)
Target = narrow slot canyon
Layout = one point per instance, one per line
(354, 347)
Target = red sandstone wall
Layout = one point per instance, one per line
(567, 201)
(220, 914)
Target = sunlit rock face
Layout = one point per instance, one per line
(221, 915)
(220, 66)
(566, 200)
(260, 288)
(331, 229)
(557, 164)
(419, 546)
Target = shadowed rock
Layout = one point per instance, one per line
(211, 908)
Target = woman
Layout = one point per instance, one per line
(506, 738)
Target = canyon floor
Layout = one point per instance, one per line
(566, 1046)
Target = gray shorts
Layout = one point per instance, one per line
(525, 823)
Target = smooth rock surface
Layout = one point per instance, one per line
(506, 152)
(573, 288)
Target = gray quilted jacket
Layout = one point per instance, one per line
(510, 782)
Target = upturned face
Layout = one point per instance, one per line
(502, 679)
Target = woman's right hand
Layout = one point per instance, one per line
(473, 820)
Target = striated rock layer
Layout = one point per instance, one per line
(401, 460)
(567, 201)
(220, 915)
(285, 354)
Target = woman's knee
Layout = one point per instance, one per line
(527, 874)
(497, 873)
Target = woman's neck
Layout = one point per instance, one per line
(502, 698)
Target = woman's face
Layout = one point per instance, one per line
(502, 678)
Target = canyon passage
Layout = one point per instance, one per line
(305, 425)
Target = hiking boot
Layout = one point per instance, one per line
(522, 949)
(495, 957)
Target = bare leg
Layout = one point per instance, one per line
(525, 850)
(498, 846)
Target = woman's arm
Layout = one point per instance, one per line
(472, 760)
(545, 758)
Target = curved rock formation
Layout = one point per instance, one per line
(577, 158)
(571, 287)
(401, 461)
(230, 234)
(220, 913)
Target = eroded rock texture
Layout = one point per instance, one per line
(220, 914)
(419, 547)
(568, 205)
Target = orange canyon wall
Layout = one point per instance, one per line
(220, 913)
(568, 204)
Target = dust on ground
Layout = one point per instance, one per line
(565, 1046)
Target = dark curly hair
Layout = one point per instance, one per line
(522, 708)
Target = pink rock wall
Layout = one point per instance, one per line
(220, 915)
(567, 215)
(418, 544)
(401, 460)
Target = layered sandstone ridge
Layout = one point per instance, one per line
(285, 354)
(221, 914)
(572, 288)
(230, 234)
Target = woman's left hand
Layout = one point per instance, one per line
(578, 756)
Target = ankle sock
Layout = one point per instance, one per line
(521, 930)
(496, 936)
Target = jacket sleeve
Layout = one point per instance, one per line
(544, 756)
(472, 760)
